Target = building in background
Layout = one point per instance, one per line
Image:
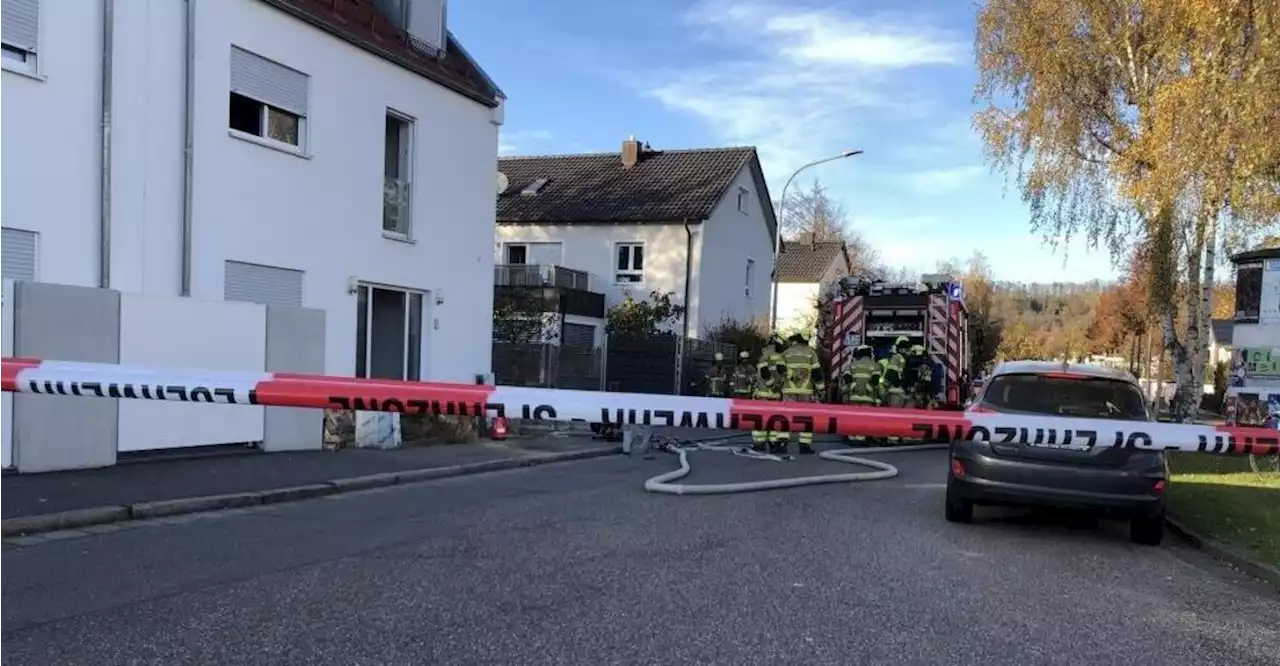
(697, 224)
(806, 268)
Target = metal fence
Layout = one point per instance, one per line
(547, 366)
(665, 364)
(542, 275)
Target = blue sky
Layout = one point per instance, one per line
(800, 80)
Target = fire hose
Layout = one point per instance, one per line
(664, 483)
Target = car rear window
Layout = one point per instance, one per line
(1057, 395)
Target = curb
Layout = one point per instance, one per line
(50, 522)
(1225, 553)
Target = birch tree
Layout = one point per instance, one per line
(1140, 121)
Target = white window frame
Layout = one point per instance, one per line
(744, 199)
(408, 154)
(615, 272)
(368, 327)
(30, 63)
(21, 61)
(751, 274)
(264, 139)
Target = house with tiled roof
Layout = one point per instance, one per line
(695, 223)
(805, 267)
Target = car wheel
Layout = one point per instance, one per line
(959, 510)
(1148, 531)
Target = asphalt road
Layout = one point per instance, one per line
(575, 564)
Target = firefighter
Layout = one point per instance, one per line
(893, 394)
(768, 384)
(918, 378)
(859, 383)
(858, 387)
(718, 378)
(897, 356)
(803, 380)
(744, 377)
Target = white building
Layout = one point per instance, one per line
(806, 268)
(273, 151)
(697, 224)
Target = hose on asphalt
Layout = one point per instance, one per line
(664, 483)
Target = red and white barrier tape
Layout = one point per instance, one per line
(294, 390)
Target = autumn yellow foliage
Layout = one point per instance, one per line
(1143, 124)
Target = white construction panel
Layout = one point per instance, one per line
(186, 333)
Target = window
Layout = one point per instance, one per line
(535, 254)
(744, 199)
(267, 285)
(630, 264)
(397, 174)
(388, 333)
(1248, 293)
(751, 275)
(267, 99)
(20, 34)
(1084, 397)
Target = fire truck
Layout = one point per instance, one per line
(931, 314)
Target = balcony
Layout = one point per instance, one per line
(563, 290)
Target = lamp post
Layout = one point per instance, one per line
(777, 236)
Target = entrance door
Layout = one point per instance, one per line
(388, 333)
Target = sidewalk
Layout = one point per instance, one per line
(26, 495)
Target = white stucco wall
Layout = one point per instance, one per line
(318, 212)
(593, 248)
(732, 237)
(796, 304)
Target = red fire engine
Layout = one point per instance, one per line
(876, 313)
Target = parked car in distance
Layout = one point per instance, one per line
(1116, 482)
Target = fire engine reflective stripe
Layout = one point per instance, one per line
(292, 390)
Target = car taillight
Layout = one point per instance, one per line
(957, 468)
(1157, 488)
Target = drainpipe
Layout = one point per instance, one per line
(688, 272)
(188, 141)
(104, 206)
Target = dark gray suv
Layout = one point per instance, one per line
(1125, 483)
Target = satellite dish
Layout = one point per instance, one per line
(502, 182)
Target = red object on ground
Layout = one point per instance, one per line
(499, 430)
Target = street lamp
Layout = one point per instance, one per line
(777, 236)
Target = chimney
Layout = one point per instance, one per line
(631, 152)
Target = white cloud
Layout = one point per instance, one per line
(939, 181)
(519, 141)
(799, 81)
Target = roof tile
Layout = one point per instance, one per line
(665, 186)
(806, 262)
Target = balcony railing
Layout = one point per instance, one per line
(395, 205)
(522, 275)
